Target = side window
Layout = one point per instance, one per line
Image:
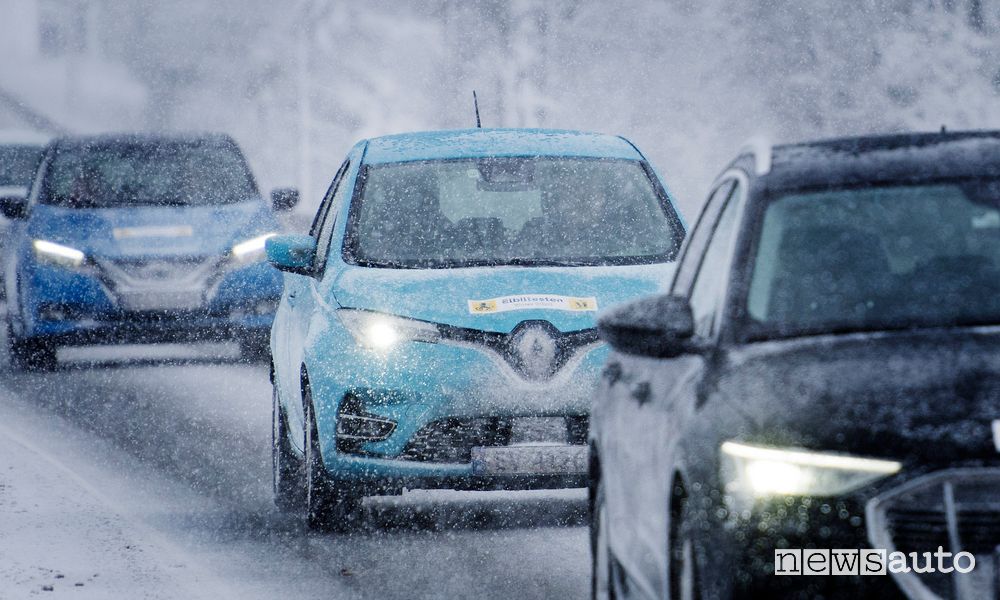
(706, 294)
(698, 238)
(326, 218)
(324, 206)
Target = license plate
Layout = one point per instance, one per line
(142, 301)
(530, 460)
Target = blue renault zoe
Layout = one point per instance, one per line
(437, 326)
(139, 238)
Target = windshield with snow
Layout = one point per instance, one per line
(510, 211)
(146, 174)
(17, 165)
(878, 258)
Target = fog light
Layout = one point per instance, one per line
(364, 427)
(52, 314)
(356, 426)
(264, 307)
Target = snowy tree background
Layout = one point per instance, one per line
(297, 83)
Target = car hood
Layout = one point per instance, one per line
(152, 231)
(443, 295)
(926, 396)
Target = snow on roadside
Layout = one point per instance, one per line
(60, 536)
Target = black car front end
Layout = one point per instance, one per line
(861, 442)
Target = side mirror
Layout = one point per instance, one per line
(291, 253)
(14, 207)
(657, 326)
(283, 199)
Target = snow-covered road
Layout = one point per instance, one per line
(150, 478)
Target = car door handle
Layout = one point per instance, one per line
(641, 392)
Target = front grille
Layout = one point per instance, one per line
(926, 530)
(158, 273)
(535, 350)
(956, 510)
(452, 440)
(151, 284)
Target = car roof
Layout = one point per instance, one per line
(906, 157)
(110, 140)
(470, 143)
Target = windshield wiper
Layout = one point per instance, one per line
(542, 262)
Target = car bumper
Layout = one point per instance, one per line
(442, 400)
(74, 307)
(907, 514)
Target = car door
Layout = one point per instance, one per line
(297, 305)
(654, 398)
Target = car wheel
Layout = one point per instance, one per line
(31, 354)
(286, 467)
(682, 568)
(601, 587)
(329, 504)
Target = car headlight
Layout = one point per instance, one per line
(57, 254)
(251, 250)
(380, 331)
(760, 471)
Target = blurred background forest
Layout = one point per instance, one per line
(298, 82)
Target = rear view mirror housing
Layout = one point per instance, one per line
(13, 206)
(656, 326)
(284, 199)
(291, 253)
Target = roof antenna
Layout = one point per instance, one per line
(475, 102)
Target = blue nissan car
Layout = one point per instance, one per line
(437, 327)
(139, 238)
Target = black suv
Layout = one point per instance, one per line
(824, 374)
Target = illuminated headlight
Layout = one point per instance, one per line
(760, 471)
(381, 332)
(57, 254)
(251, 250)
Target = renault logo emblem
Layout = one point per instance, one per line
(536, 352)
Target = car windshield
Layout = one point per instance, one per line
(878, 258)
(133, 174)
(513, 211)
(17, 165)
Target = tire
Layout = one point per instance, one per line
(683, 568)
(330, 504)
(601, 581)
(286, 467)
(30, 354)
